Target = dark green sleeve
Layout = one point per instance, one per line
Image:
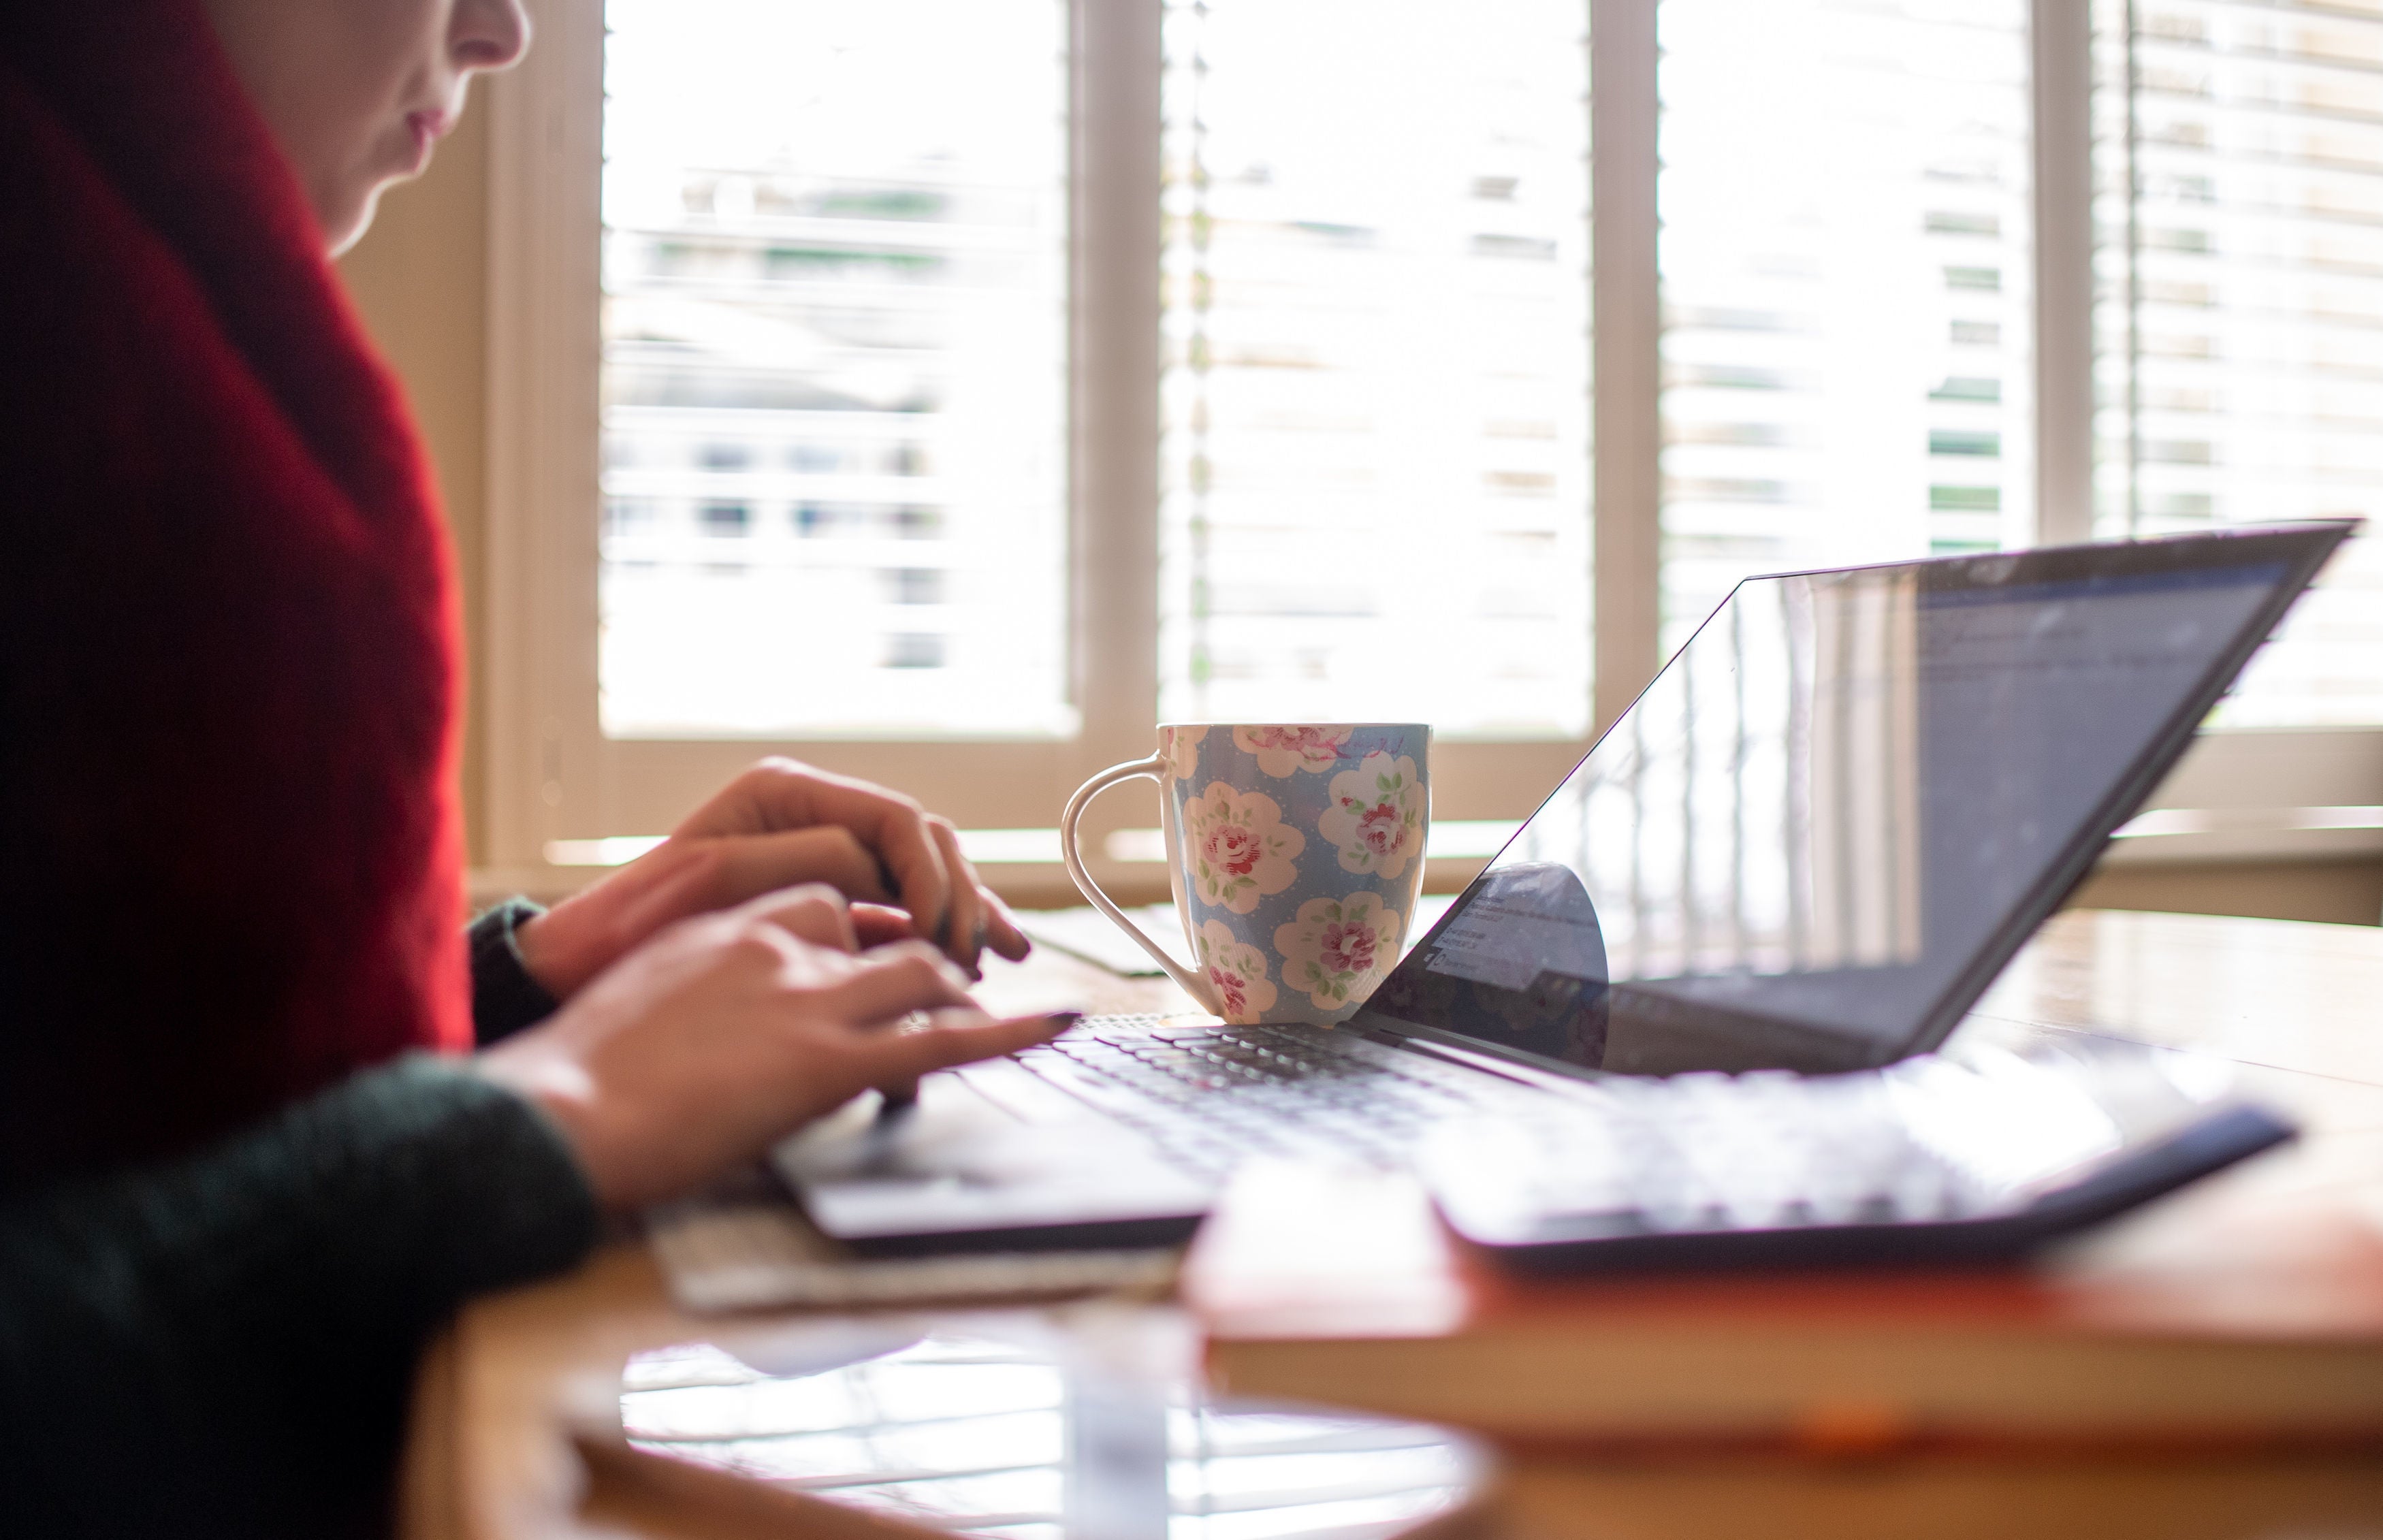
(504, 997)
(225, 1345)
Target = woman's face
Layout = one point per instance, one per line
(358, 91)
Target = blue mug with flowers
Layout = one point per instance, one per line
(1295, 851)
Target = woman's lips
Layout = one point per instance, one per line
(426, 128)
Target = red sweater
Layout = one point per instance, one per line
(230, 867)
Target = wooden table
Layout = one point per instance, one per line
(501, 1447)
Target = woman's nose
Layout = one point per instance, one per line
(488, 34)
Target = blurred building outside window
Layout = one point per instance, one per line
(835, 323)
(1847, 238)
(1375, 405)
(2238, 222)
(846, 309)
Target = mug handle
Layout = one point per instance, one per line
(1193, 984)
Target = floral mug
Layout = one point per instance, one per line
(1295, 852)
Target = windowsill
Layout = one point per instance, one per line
(1023, 885)
(2184, 835)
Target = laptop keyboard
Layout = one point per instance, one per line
(1693, 1151)
(1712, 1151)
(1624, 1155)
(1933, 1139)
(1208, 1095)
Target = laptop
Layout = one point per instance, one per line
(1697, 1009)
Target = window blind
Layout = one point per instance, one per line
(1375, 414)
(1845, 258)
(834, 371)
(2238, 259)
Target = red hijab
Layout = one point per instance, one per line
(229, 869)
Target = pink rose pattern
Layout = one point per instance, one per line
(1285, 750)
(1377, 816)
(1240, 848)
(1180, 746)
(1238, 973)
(1337, 947)
(1234, 849)
(1232, 996)
(1348, 946)
(1240, 851)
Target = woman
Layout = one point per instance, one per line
(245, 1164)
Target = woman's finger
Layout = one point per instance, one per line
(964, 924)
(991, 924)
(878, 924)
(1001, 932)
(784, 793)
(720, 872)
(894, 981)
(902, 1090)
(902, 837)
(956, 1037)
(814, 912)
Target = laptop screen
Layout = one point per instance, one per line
(1843, 804)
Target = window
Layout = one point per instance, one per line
(2239, 212)
(947, 389)
(1842, 187)
(834, 318)
(1376, 405)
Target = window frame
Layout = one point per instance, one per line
(551, 774)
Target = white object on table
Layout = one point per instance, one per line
(749, 1253)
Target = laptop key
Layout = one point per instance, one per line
(1207, 1095)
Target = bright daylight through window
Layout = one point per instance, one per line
(2241, 307)
(1375, 461)
(834, 368)
(843, 497)
(1845, 251)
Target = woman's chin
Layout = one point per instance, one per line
(344, 224)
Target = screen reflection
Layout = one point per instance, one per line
(1820, 812)
(985, 1435)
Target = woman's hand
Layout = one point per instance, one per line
(778, 824)
(728, 1030)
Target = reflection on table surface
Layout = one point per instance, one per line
(985, 1436)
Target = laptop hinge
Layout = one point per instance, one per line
(1503, 1069)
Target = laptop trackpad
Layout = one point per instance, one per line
(958, 1163)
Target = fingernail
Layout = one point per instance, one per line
(1066, 1020)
